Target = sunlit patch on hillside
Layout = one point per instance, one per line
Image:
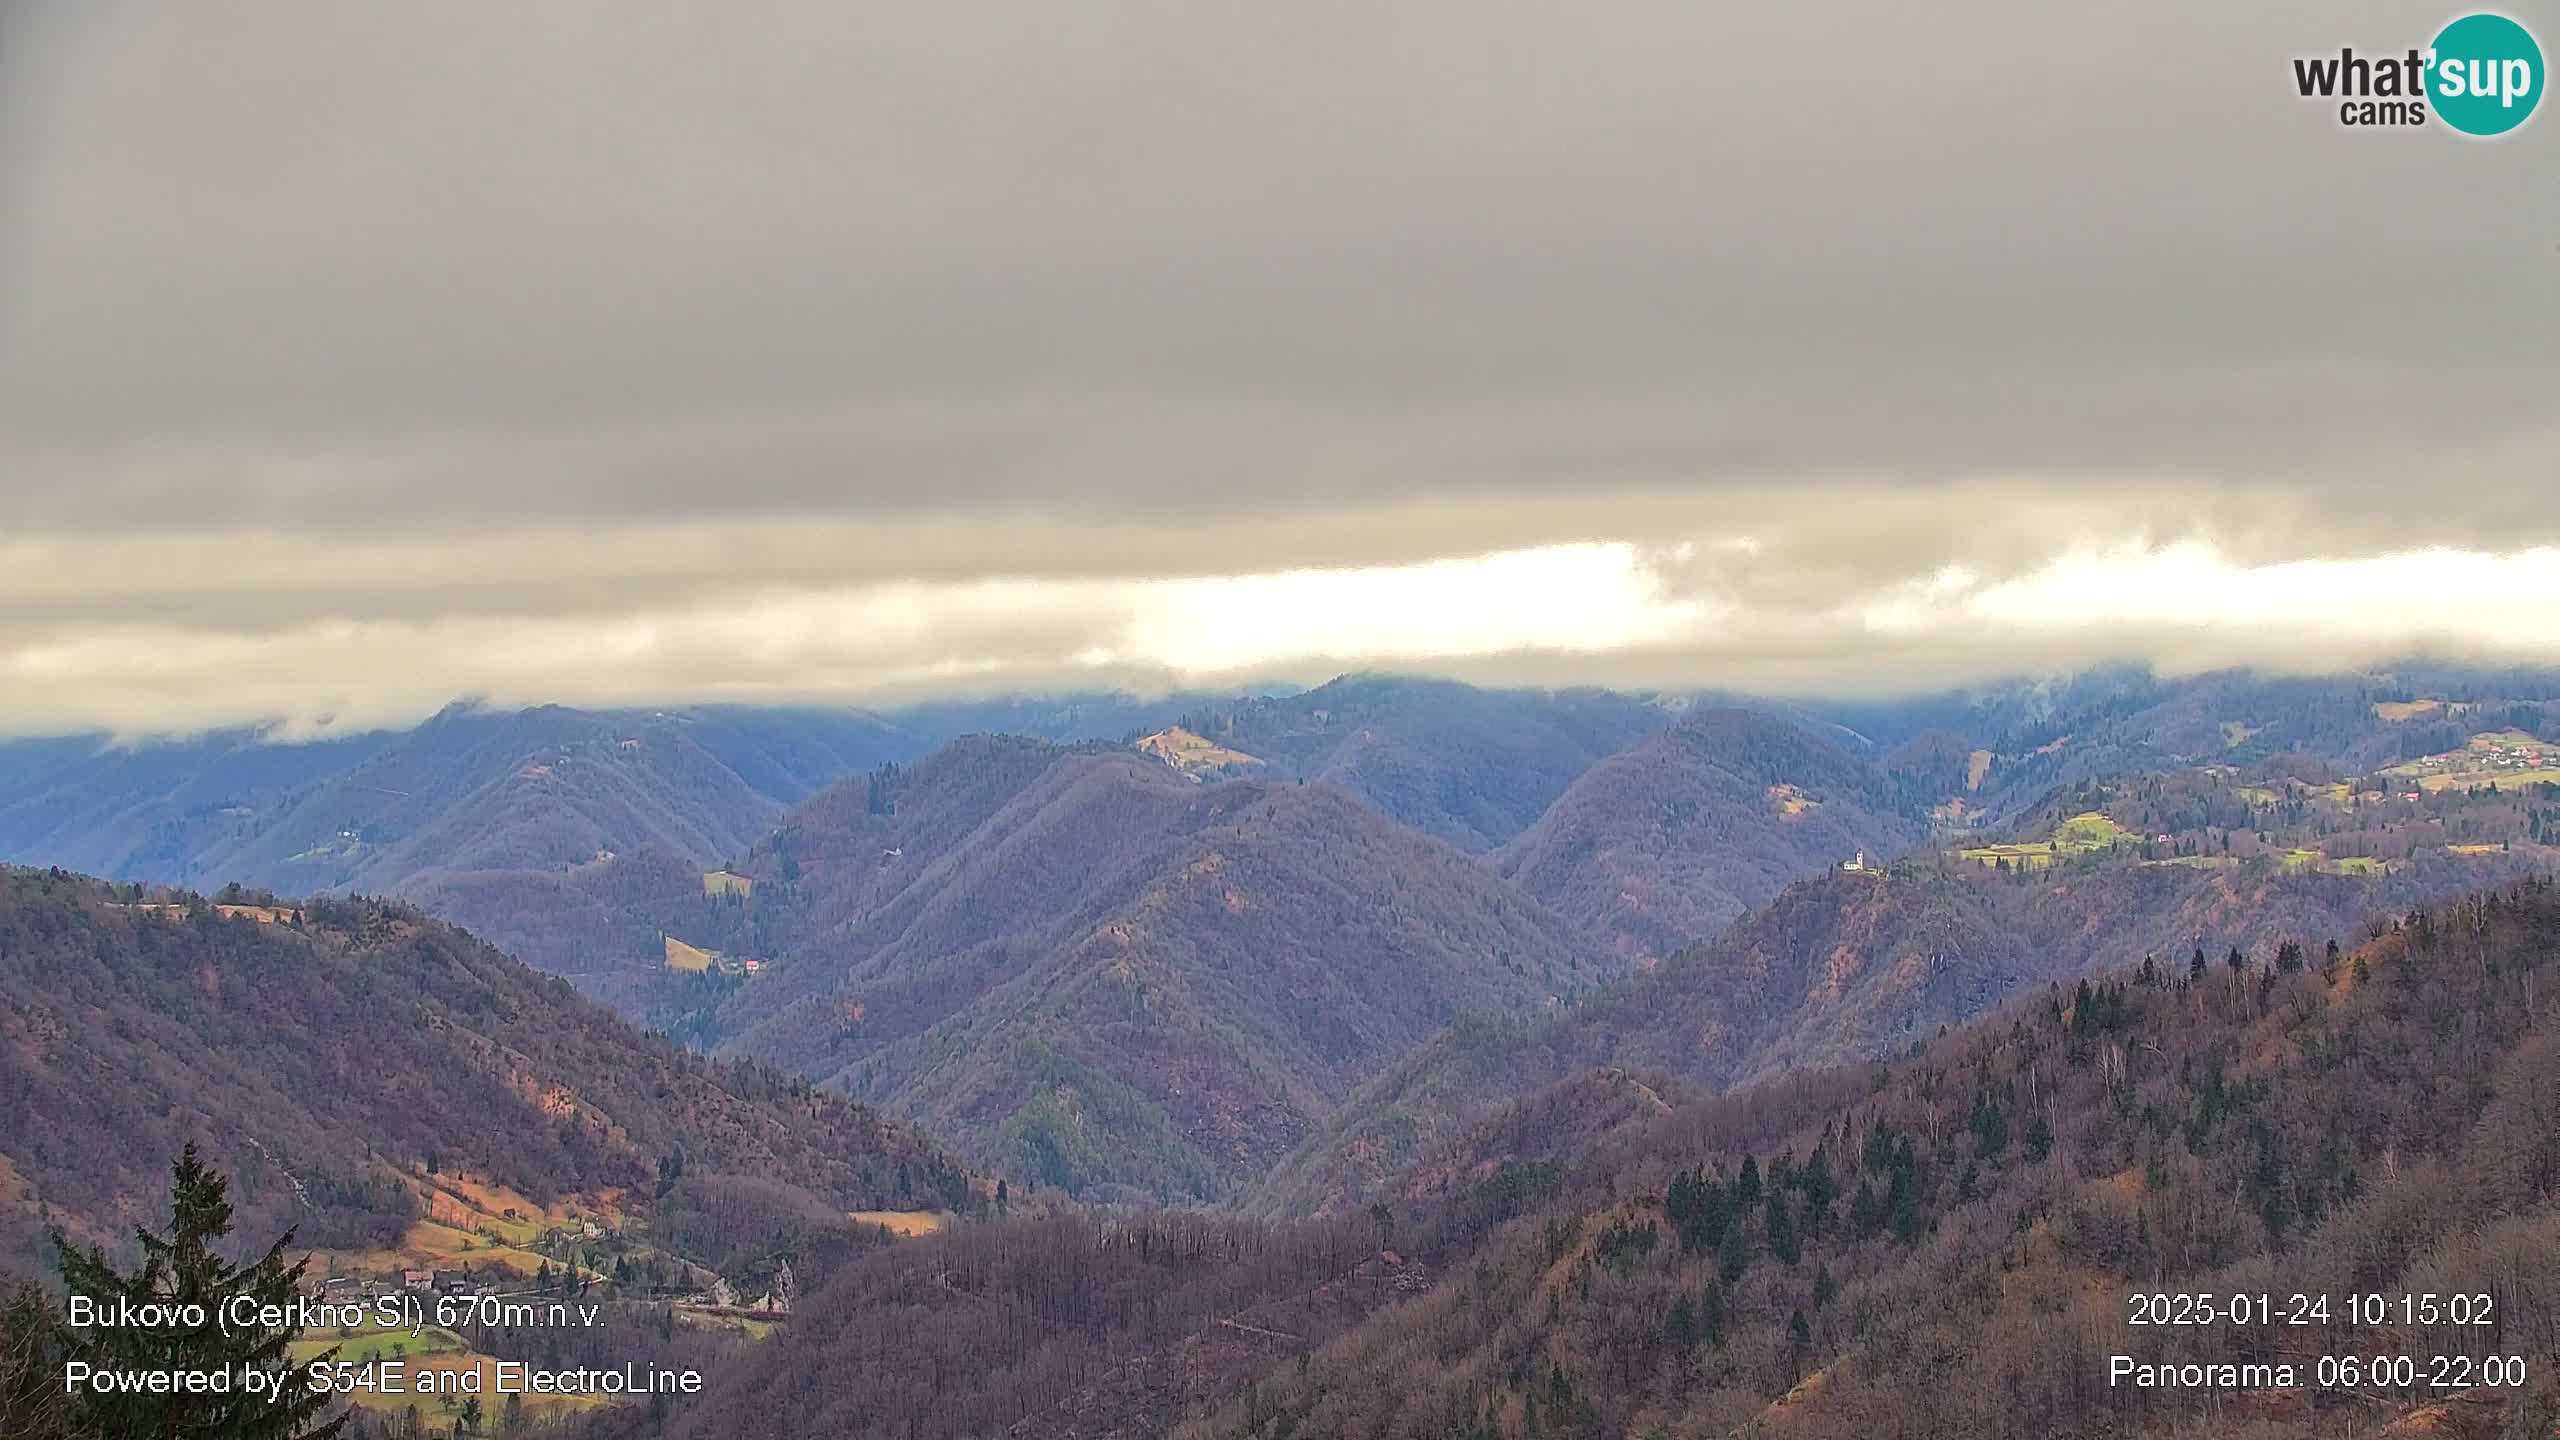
(1195, 755)
(905, 1224)
(2085, 833)
(472, 1224)
(690, 958)
(1790, 801)
(1977, 767)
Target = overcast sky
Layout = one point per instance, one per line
(354, 358)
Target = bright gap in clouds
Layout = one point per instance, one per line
(1611, 613)
(1577, 598)
(1599, 598)
(2496, 601)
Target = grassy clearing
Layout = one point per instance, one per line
(2090, 830)
(2494, 779)
(2085, 833)
(2392, 712)
(2309, 860)
(1194, 754)
(2033, 857)
(717, 883)
(474, 1224)
(429, 1245)
(905, 1224)
(747, 1325)
(681, 956)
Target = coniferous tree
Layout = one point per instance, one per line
(1680, 1328)
(183, 1268)
(1732, 1255)
(1781, 1229)
(1799, 1342)
(33, 1405)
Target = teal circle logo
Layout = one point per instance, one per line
(2484, 74)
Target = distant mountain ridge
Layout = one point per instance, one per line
(1674, 837)
(1081, 963)
(1468, 766)
(474, 805)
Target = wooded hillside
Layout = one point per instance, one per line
(1943, 1244)
(332, 1052)
(1092, 971)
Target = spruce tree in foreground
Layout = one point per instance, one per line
(32, 1405)
(182, 1268)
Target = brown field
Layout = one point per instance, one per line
(1192, 754)
(681, 956)
(474, 1224)
(722, 882)
(905, 1224)
(429, 1245)
(2392, 712)
(1976, 766)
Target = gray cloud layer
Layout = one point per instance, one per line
(475, 315)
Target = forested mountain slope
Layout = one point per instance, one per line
(151, 810)
(469, 789)
(1086, 967)
(539, 790)
(461, 792)
(331, 1054)
(2354, 723)
(1848, 965)
(1947, 1244)
(1468, 766)
(1671, 839)
(476, 812)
